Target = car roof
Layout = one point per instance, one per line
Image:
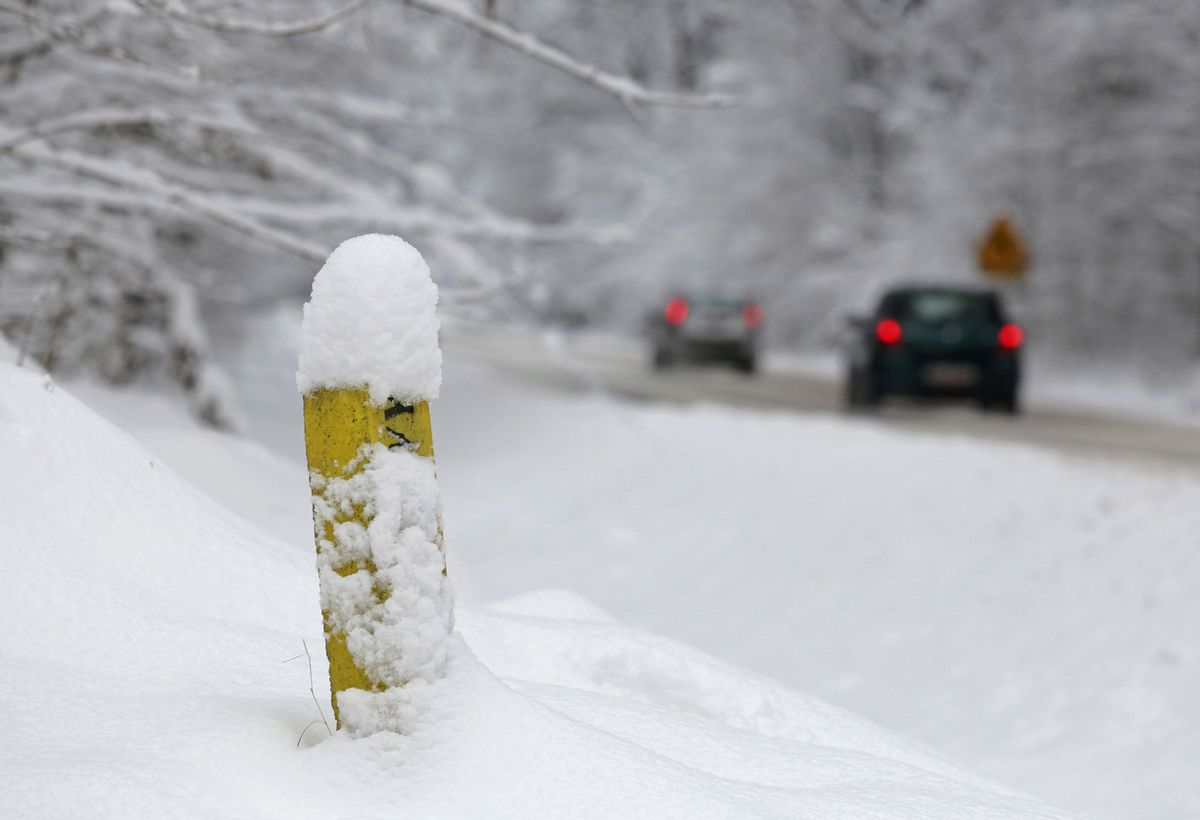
(712, 295)
(957, 290)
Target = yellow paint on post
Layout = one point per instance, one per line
(337, 423)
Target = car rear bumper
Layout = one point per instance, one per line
(732, 349)
(900, 372)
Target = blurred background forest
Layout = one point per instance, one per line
(173, 168)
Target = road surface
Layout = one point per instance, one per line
(621, 369)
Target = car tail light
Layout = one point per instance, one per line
(677, 311)
(888, 332)
(752, 315)
(1010, 337)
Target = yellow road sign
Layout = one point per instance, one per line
(1002, 252)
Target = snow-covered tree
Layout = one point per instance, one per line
(156, 148)
(166, 162)
(1080, 119)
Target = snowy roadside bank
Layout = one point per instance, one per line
(1027, 612)
(149, 676)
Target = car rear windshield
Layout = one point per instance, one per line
(940, 306)
(716, 306)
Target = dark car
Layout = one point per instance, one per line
(941, 342)
(706, 328)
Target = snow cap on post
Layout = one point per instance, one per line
(371, 322)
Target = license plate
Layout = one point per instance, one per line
(718, 329)
(951, 375)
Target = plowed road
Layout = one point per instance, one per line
(622, 370)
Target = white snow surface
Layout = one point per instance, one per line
(1029, 613)
(371, 322)
(8, 353)
(146, 674)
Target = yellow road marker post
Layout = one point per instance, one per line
(385, 599)
(337, 423)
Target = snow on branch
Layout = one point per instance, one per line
(79, 33)
(149, 190)
(28, 238)
(37, 46)
(853, 24)
(625, 89)
(1179, 220)
(111, 118)
(73, 27)
(167, 196)
(497, 228)
(176, 10)
(51, 30)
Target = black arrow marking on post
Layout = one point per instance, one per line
(392, 410)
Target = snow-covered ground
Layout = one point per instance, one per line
(1031, 613)
(146, 667)
(1032, 616)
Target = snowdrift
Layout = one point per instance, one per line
(144, 673)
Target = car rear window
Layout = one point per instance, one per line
(717, 307)
(936, 307)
